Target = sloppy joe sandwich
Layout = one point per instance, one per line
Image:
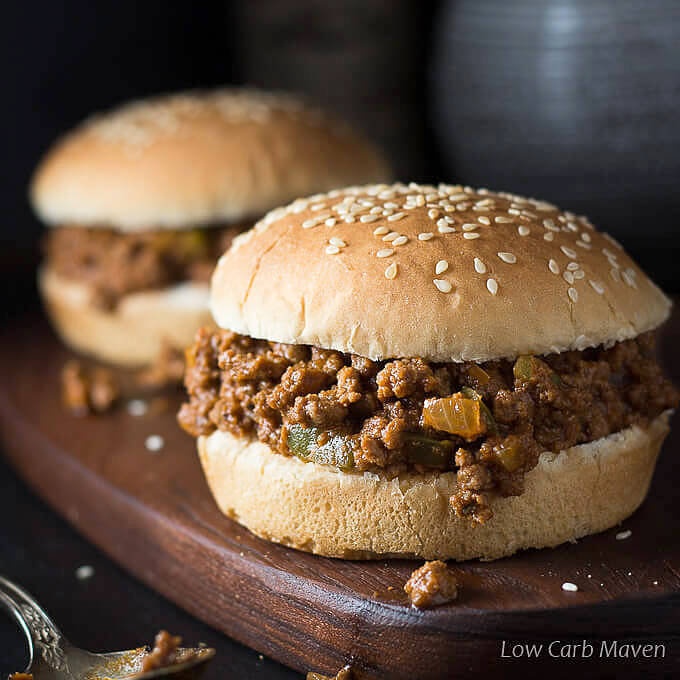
(144, 199)
(430, 371)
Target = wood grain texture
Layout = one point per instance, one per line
(154, 515)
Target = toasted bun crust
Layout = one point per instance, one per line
(132, 334)
(193, 158)
(580, 491)
(531, 279)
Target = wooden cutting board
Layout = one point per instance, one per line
(153, 513)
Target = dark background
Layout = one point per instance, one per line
(574, 101)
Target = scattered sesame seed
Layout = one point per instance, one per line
(597, 287)
(330, 222)
(568, 277)
(470, 226)
(335, 241)
(443, 286)
(137, 407)
(376, 210)
(579, 274)
(584, 245)
(371, 218)
(629, 279)
(380, 231)
(585, 236)
(470, 235)
(441, 267)
(425, 236)
(507, 257)
(318, 206)
(501, 219)
(623, 535)
(391, 236)
(480, 267)
(387, 212)
(84, 572)
(400, 241)
(573, 266)
(569, 252)
(492, 286)
(385, 252)
(349, 219)
(615, 274)
(548, 236)
(571, 226)
(332, 250)
(523, 231)
(308, 224)
(549, 224)
(154, 442)
(573, 294)
(483, 219)
(569, 587)
(391, 205)
(391, 271)
(396, 216)
(513, 211)
(432, 213)
(445, 229)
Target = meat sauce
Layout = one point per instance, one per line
(357, 414)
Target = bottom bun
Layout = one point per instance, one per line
(580, 491)
(133, 333)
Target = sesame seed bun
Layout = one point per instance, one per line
(196, 158)
(579, 491)
(447, 273)
(133, 333)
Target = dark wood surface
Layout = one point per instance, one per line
(153, 514)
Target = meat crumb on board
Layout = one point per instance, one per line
(431, 585)
(88, 390)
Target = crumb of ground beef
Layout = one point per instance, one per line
(264, 390)
(163, 653)
(86, 390)
(431, 585)
(166, 370)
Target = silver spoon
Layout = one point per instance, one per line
(53, 657)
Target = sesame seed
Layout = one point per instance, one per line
(629, 279)
(571, 226)
(579, 274)
(480, 267)
(425, 236)
(507, 257)
(385, 252)
(569, 587)
(154, 442)
(483, 219)
(470, 226)
(514, 211)
(379, 231)
(457, 197)
(349, 219)
(573, 266)
(470, 235)
(332, 250)
(462, 206)
(441, 267)
(396, 216)
(391, 271)
(376, 210)
(432, 213)
(553, 267)
(308, 224)
(585, 236)
(335, 241)
(330, 222)
(370, 218)
(548, 236)
(569, 252)
(84, 572)
(623, 535)
(523, 231)
(391, 236)
(597, 287)
(387, 212)
(492, 286)
(137, 407)
(443, 286)
(445, 229)
(529, 214)
(391, 205)
(501, 219)
(615, 274)
(568, 277)
(583, 244)
(400, 241)
(318, 206)
(608, 253)
(549, 224)
(573, 294)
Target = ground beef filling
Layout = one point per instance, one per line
(349, 411)
(115, 264)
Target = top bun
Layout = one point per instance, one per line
(194, 158)
(448, 273)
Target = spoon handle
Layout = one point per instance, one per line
(41, 633)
